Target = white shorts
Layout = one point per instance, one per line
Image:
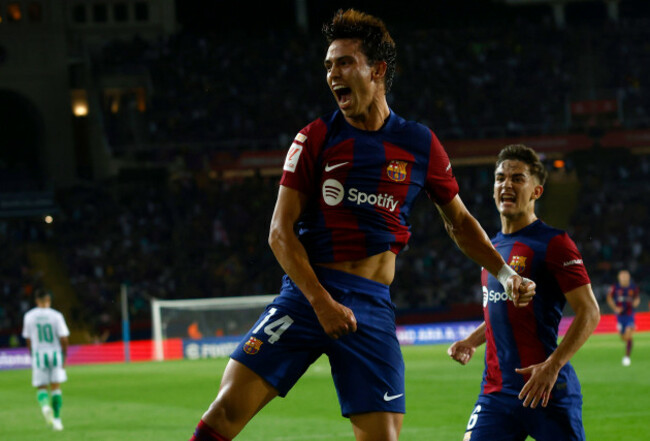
(47, 368)
(46, 376)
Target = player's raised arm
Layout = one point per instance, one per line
(336, 319)
(472, 240)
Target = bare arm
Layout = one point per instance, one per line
(64, 349)
(29, 344)
(543, 375)
(462, 350)
(611, 303)
(336, 319)
(472, 240)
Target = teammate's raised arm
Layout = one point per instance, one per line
(472, 240)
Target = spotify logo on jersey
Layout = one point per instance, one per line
(494, 296)
(332, 192)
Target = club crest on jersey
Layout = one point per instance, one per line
(252, 346)
(518, 263)
(396, 170)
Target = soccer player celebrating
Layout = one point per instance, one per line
(350, 180)
(523, 362)
(623, 297)
(46, 334)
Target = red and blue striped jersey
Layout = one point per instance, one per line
(624, 297)
(362, 184)
(520, 337)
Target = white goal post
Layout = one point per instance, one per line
(227, 315)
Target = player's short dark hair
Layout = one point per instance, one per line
(40, 293)
(376, 42)
(520, 152)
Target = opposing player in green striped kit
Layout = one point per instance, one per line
(46, 334)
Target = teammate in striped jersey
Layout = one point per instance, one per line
(623, 297)
(46, 334)
(523, 362)
(341, 218)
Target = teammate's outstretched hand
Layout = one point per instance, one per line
(540, 384)
(336, 319)
(461, 351)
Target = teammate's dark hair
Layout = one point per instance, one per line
(40, 293)
(520, 152)
(376, 42)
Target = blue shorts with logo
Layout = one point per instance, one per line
(502, 417)
(367, 365)
(624, 322)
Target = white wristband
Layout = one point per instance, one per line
(504, 274)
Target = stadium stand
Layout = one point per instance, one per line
(465, 83)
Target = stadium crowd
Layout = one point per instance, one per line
(18, 277)
(611, 221)
(464, 83)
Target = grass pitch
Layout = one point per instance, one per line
(164, 401)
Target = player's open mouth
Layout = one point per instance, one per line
(343, 95)
(507, 198)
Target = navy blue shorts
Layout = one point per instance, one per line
(501, 417)
(624, 322)
(367, 366)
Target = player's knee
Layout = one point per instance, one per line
(218, 414)
(225, 417)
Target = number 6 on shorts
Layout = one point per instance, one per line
(274, 329)
(473, 419)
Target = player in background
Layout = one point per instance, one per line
(523, 362)
(46, 334)
(623, 297)
(341, 217)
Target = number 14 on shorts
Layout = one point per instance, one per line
(274, 329)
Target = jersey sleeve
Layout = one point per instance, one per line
(565, 263)
(301, 160)
(61, 326)
(441, 185)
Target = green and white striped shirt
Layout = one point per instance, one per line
(44, 327)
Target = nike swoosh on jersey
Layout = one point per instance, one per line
(391, 397)
(332, 167)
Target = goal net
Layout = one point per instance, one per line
(204, 318)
